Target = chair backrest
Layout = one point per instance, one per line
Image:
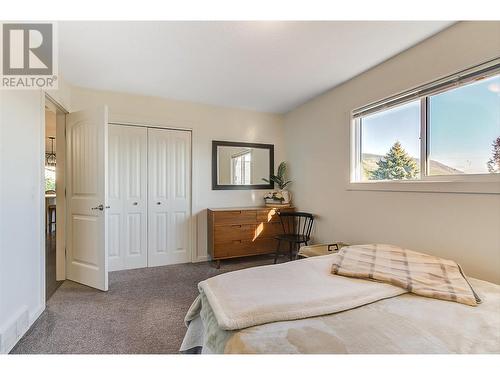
(298, 223)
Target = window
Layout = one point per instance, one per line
(464, 124)
(446, 129)
(390, 145)
(241, 166)
(50, 178)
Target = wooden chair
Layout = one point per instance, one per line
(297, 227)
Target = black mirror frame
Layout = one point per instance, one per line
(216, 186)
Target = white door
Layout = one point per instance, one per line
(169, 196)
(86, 180)
(127, 216)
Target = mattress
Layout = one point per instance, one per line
(405, 324)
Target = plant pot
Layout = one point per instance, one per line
(287, 196)
(272, 201)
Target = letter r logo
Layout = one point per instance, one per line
(27, 49)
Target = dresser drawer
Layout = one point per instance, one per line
(270, 215)
(224, 233)
(267, 215)
(235, 217)
(269, 230)
(231, 249)
(220, 251)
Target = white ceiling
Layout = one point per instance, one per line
(264, 66)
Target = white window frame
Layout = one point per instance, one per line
(463, 183)
(241, 156)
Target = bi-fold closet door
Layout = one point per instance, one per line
(149, 195)
(127, 197)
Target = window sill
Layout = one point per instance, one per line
(467, 187)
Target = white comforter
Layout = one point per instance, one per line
(287, 291)
(277, 317)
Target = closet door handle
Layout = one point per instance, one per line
(135, 203)
(158, 203)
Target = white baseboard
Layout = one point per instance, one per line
(16, 327)
(199, 259)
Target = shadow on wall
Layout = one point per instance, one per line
(200, 224)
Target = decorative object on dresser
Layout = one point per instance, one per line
(275, 199)
(240, 232)
(282, 197)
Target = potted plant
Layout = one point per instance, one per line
(282, 196)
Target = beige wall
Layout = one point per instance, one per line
(224, 163)
(50, 129)
(22, 187)
(22, 291)
(260, 165)
(464, 227)
(208, 123)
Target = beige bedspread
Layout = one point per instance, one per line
(406, 324)
(288, 291)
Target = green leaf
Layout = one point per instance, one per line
(281, 170)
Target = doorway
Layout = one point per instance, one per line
(54, 196)
(96, 170)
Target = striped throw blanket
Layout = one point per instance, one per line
(422, 274)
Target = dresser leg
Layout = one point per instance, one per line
(217, 265)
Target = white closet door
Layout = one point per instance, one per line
(169, 196)
(115, 194)
(127, 217)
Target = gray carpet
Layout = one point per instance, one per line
(142, 312)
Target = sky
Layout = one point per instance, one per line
(463, 125)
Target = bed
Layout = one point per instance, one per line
(301, 307)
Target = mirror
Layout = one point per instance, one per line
(241, 166)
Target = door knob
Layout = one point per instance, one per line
(135, 203)
(100, 208)
(158, 203)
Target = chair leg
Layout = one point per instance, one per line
(277, 251)
(50, 221)
(55, 220)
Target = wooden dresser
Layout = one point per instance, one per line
(240, 232)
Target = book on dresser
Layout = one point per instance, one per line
(241, 232)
